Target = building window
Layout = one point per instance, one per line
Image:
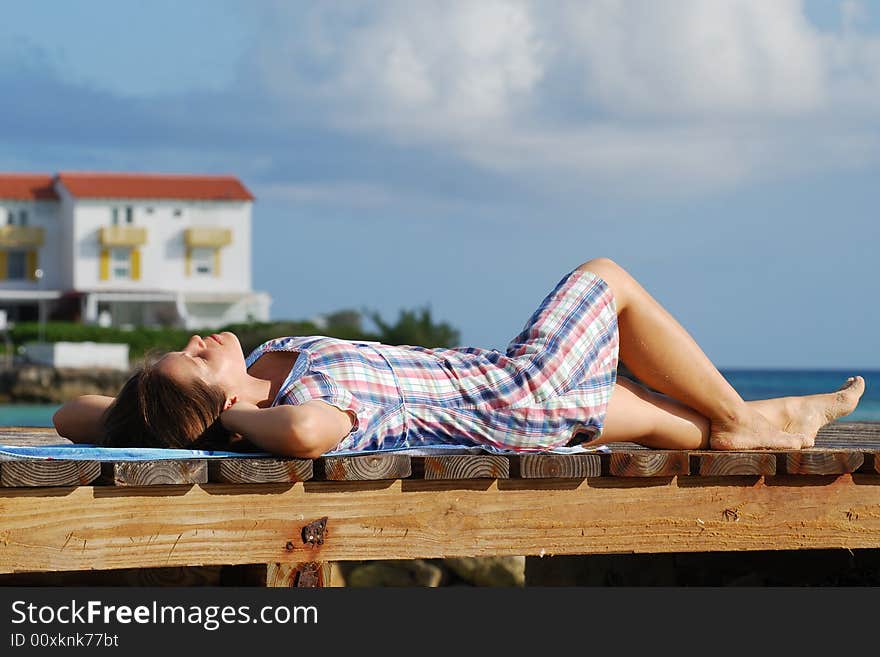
(129, 215)
(16, 265)
(202, 261)
(22, 217)
(178, 212)
(120, 263)
(114, 218)
(10, 217)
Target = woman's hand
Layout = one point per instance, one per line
(237, 411)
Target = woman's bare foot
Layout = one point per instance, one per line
(752, 431)
(808, 414)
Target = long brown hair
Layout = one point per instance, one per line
(154, 410)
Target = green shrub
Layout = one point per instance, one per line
(411, 327)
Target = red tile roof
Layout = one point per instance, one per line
(27, 186)
(155, 186)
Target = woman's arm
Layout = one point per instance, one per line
(304, 430)
(80, 419)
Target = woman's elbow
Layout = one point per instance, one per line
(59, 421)
(307, 439)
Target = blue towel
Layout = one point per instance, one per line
(86, 452)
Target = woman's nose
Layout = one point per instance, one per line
(196, 342)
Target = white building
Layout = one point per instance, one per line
(128, 249)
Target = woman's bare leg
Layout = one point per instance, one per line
(656, 348)
(637, 414)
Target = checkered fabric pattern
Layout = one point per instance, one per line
(552, 382)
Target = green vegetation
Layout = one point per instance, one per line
(411, 327)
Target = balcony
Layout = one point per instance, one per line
(204, 236)
(11, 236)
(123, 236)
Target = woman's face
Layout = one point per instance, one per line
(217, 360)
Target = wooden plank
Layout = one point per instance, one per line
(365, 468)
(462, 466)
(717, 464)
(99, 528)
(648, 463)
(544, 466)
(171, 576)
(31, 436)
(259, 470)
(821, 462)
(155, 473)
(852, 432)
(55, 472)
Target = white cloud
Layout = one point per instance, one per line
(685, 57)
(686, 94)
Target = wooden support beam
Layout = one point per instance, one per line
(48, 473)
(648, 463)
(308, 574)
(365, 468)
(822, 462)
(551, 466)
(259, 470)
(462, 466)
(155, 473)
(188, 576)
(117, 527)
(715, 464)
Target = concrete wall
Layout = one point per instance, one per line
(78, 354)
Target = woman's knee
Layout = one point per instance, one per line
(617, 278)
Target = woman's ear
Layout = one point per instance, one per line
(230, 401)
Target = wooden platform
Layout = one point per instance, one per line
(295, 515)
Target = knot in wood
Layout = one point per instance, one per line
(313, 533)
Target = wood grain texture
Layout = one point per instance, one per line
(259, 470)
(549, 466)
(822, 462)
(369, 467)
(93, 528)
(648, 463)
(171, 576)
(48, 473)
(463, 466)
(31, 436)
(719, 464)
(154, 473)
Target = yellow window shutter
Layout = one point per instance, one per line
(105, 264)
(31, 264)
(135, 264)
(216, 262)
(188, 261)
(2, 265)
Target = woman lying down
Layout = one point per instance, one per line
(555, 385)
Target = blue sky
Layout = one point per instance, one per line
(468, 155)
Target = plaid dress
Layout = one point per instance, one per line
(553, 381)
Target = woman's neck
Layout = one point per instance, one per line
(255, 390)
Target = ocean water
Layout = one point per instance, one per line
(751, 384)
